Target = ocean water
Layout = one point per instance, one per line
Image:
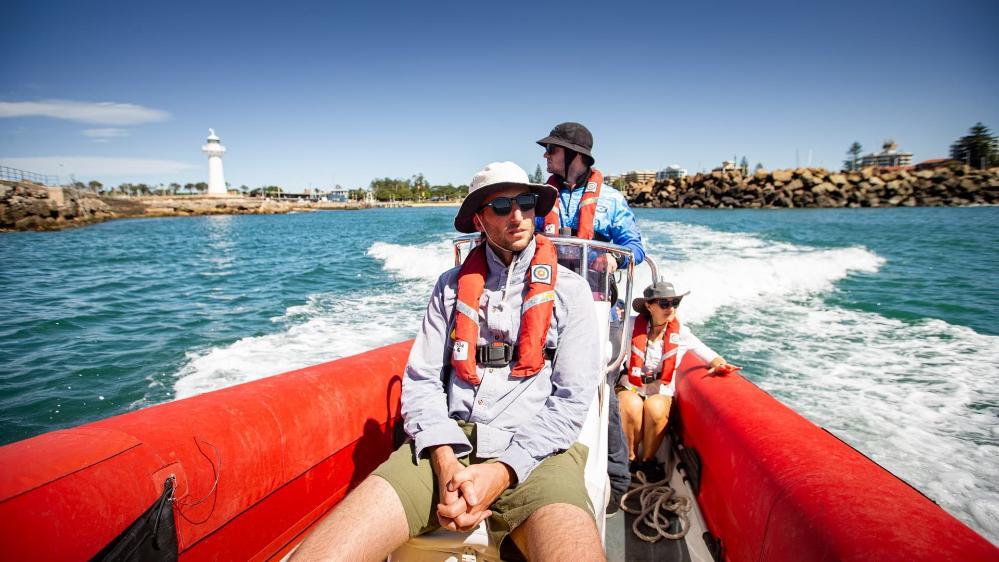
(881, 325)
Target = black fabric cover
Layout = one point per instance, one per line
(691, 462)
(152, 536)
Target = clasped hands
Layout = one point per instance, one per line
(466, 492)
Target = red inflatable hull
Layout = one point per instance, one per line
(258, 464)
(285, 450)
(776, 487)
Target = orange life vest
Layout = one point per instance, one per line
(535, 312)
(587, 207)
(639, 343)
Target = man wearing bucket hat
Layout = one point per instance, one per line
(645, 391)
(494, 395)
(585, 208)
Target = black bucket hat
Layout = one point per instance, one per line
(657, 290)
(573, 136)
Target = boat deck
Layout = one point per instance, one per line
(621, 544)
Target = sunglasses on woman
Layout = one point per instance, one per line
(666, 303)
(503, 205)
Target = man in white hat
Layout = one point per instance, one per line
(495, 393)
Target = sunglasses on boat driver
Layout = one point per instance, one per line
(666, 303)
(550, 148)
(503, 205)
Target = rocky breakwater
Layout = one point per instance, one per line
(29, 206)
(817, 187)
(198, 206)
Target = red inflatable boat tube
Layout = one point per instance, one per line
(776, 487)
(255, 464)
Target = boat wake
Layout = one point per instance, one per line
(915, 396)
(329, 325)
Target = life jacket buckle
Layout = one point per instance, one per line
(499, 354)
(495, 354)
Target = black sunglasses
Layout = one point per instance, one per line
(550, 148)
(666, 303)
(503, 205)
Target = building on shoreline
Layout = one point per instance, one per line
(889, 157)
(338, 194)
(639, 176)
(673, 172)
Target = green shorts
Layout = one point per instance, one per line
(558, 479)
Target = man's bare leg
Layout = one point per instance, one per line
(368, 524)
(559, 532)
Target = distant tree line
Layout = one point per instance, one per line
(136, 189)
(416, 188)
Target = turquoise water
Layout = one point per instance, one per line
(878, 324)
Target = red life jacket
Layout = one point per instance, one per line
(639, 343)
(535, 312)
(587, 207)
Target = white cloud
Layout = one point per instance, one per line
(96, 165)
(98, 113)
(107, 133)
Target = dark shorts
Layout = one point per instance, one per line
(558, 479)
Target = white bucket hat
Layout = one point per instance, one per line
(495, 177)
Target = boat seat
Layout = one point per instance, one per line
(449, 546)
(445, 545)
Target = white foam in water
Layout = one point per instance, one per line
(415, 262)
(725, 269)
(327, 326)
(321, 337)
(912, 396)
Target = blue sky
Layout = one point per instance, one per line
(321, 93)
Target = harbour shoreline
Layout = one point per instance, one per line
(25, 206)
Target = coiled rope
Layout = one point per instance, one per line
(656, 500)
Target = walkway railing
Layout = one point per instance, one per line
(13, 174)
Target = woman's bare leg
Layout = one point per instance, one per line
(654, 424)
(631, 420)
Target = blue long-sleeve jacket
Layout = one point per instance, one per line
(613, 221)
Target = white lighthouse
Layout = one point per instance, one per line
(216, 179)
